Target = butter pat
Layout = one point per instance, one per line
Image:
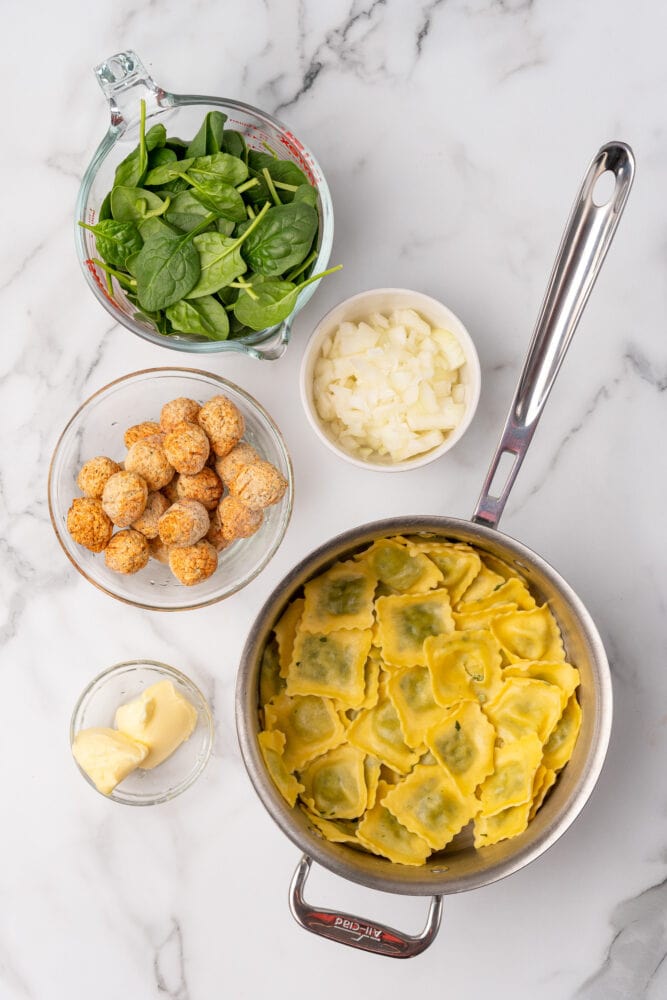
(107, 756)
(160, 718)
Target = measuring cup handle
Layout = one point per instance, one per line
(125, 81)
(355, 931)
(587, 237)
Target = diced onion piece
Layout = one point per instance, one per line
(389, 387)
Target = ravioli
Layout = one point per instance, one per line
(372, 768)
(341, 598)
(378, 732)
(543, 781)
(484, 584)
(509, 592)
(405, 621)
(270, 681)
(430, 804)
(458, 563)
(331, 665)
(525, 706)
(412, 695)
(463, 666)
(463, 743)
(560, 745)
(508, 823)
(272, 746)
(529, 635)
(562, 675)
(467, 620)
(310, 724)
(334, 785)
(285, 631)
(511, 783)
(339, 831)
(399, 569)
(381, 833)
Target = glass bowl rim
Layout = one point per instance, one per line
(289, 496)
(203, 711)
(205, 347)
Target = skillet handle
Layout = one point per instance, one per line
(587, 237)
(355, 931)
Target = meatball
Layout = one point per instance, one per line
(193, 564)
(214, 534)
(184, 523)
(171, 490)
(94, 474)
(146, 457)
(138, 431)
(237, 520)
(187, 448)
(158, 550)
(204, 487)
(88, 524)
(177, 411)
(127, 552)
(259, 485)
(147, 523)
(124, 498)
(232, 463)
(223, 422)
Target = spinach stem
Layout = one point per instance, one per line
(250, 211)
(301, 267)
(285, 187)
(109, 283)
(253, 225)
(245, 287)
(119, 275)
(143, 152)
(316, 277)
(253, 182)
(269, 183)
(270, 149)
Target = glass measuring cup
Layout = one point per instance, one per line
(125, 82)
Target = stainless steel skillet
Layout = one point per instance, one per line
(459, 867)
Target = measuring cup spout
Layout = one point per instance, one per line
(125, 81)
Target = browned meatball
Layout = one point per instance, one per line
(187, 448)
(223, 422)
(184, 523)
(193, 564)
(214, 534)
(177, 411)
(94, 474)
(237, 520)
(158, 550)
(127, 552)
(204, 487)
(170, 491)
(88, 524)
(139, 431)
(146, 457)
(259, 485)
(124, 498)
(147, 523)
(230, 465)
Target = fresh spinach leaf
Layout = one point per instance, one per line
(131, 171)
(234, 143)
(221, 198)
(159, 157)
(220, 259)
(186, 212)
(209, 137)
(204, 316)
(306, 193)
(219, 166)
(282, 239)
(281, 171)
(165, 173)
(105, 208)
(269, 301)
(130, 204)
(166, 268)
(115, 241)
(154, 225)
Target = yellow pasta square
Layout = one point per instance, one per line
(458, 563)
(511, 783)
(463, 666)
(399, 569)
(372, 767)
(335, 784)
(411, 692)
(429, 803)
(529, 635)
(341, 598)
(405, 621)
(377, 731)
(463, 743)
(270, 681)
(337, 831)
(331, 665)
(560, 745)
(310, 724)
(509, 592)
(381, 833)
(484, 584)
(272, 746)
(563, 675)
(466, 621)
(525, 706)
(285, 631)
(544, 780)
(508, 823)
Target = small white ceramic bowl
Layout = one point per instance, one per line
(385, 300)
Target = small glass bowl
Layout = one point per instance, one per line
(125, 81)
(384, 300)
(97, 428)
(121, 683)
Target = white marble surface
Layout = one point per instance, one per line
(454, 136)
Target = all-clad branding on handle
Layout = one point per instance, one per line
(587, 238)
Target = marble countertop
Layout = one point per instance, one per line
(454, 136)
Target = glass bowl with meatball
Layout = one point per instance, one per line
(170, 489)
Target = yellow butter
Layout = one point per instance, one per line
(107, 756)
(161, 718)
